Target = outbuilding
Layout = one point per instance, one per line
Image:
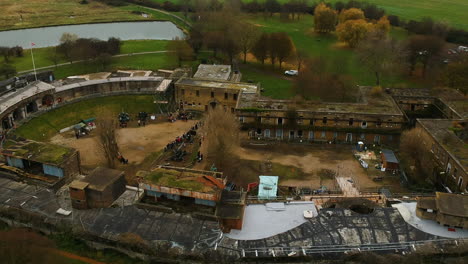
(97, 190)
(389, 160)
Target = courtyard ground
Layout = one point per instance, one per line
(304, 166)
(135, 143)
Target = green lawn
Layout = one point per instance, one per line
(274, 87)
(451, 11)
(45, 56)
(16, 14)
(48, 124)
(301, 32)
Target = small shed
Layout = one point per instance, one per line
(268, 187)
(97, 190)
(389, 160)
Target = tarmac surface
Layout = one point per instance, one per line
(331, 228)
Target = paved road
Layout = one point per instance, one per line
(119, 55)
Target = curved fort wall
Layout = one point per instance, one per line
(22, 103)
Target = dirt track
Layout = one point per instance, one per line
(135, 143)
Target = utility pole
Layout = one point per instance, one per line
(32, 56)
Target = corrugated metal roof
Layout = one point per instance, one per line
(268, 187)
(389, 156)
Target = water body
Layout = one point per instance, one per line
(50, 36)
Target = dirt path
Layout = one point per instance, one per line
(73, 256)
(135, 143)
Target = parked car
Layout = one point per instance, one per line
(291, 73)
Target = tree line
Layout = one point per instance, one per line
(6, 69)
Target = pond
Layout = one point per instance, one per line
(50, 36)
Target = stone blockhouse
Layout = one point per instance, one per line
(202, 94)
(97, 190)
(447, 209)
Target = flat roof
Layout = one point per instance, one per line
(270, 219)
(102, 177)
(37, 151)
(182, 179)
(455, 99)
(11, 98)
(427, 203)
(206, 83)
(452, 204)
(77, 184)
(213, 71)
(268, 186)
(389, 156)
(367, 104)
(443, 131)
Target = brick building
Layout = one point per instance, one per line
(446, 141)
(97, 190)
(371, 120)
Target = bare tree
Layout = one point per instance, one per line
(107, 140)
(415, 155)
(181, 49)
(381, 54)
(247, 38)
(221, 130)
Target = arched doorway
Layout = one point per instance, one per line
(213, 105)
(18, 114)
(48, 100)
(31, 107)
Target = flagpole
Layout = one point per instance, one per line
(34, 65)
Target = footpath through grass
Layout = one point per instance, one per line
(48, 124)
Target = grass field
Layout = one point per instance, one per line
(16, 14)
(451, 11)
(48, 124)
(301, 32)
(45, 56)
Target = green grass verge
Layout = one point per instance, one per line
(48, 124)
